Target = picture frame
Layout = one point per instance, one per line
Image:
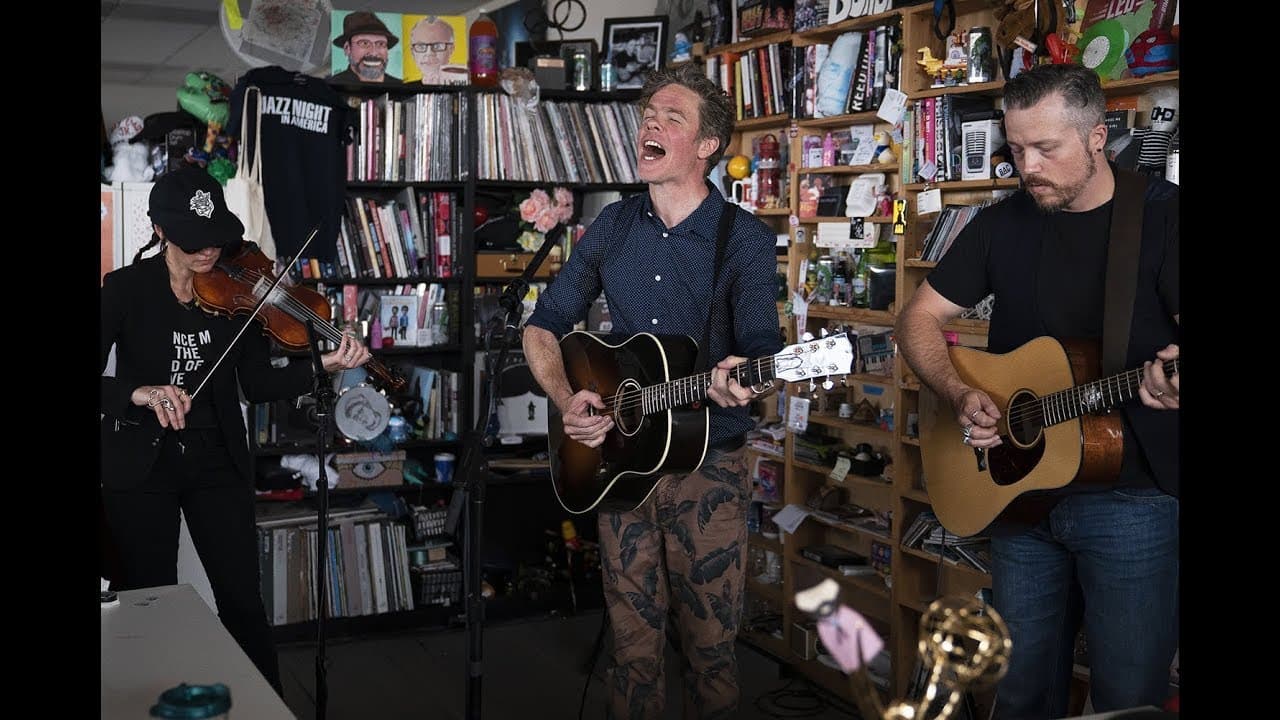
(636, 46)
(398, 315)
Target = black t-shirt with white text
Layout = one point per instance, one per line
(305, 128)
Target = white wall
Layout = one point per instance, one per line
(597, 10)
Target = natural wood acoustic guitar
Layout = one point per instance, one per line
(1054, 423)
(661, 422)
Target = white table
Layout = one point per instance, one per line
(160, 637)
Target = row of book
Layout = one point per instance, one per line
(409, 236)
(823, 84)
(567, 142)
(947, 227)
(367, 565)
(759, 80)
(410, 139)
(932, 129)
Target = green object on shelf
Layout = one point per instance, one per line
(414, 472)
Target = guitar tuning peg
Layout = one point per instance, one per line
(823, 332)
(844, 381)
(807, 337)
(812, 386)
(827, 384)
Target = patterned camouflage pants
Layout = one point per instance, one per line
(681, 555)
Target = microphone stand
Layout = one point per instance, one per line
(473, 470)
(324, 397)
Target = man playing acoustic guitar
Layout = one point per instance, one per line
(682, 552)
(1107, 556)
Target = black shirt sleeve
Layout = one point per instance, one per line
(961, 274)
(1167, 282)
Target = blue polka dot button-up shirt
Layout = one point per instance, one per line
(658, 279)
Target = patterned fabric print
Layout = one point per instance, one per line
(682, 555)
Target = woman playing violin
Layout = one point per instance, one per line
(163, 450)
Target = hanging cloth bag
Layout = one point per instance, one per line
(244, 191)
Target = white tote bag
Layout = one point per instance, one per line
(244, 191)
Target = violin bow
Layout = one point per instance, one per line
(256, 308)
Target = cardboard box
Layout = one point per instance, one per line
(510, 265)
(370, 469)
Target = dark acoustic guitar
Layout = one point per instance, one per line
(1054, 424)
(656, 401)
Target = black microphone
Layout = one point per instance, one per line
(513, 294)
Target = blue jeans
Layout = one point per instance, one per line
(1111, 560)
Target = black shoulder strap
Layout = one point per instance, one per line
(1122, 268)
(722, 241)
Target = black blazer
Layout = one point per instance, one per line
(131, 435)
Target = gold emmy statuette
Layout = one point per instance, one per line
(963, 643)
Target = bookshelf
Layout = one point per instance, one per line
(378, 271)
(918, 576)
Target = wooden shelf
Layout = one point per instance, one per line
(771, 645)
(827, 33)
(872, 378)
(850, 314)
(752, 43)
(862, 118)
(764, 542)
(1135, 86)
(918, 263)
(833, 420)
(963, 569)
(778, 212)
(397, 184)
(767, 121)
(988, 88)
(909, 440)
(855, 530)
(873, 584)
(851, 169)
(989, 184)
(843, 219)
(849, 480)
(968, 325)
(770, 592)
(917, 495)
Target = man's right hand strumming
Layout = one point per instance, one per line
(579, 423)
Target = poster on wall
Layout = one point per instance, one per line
(435, 49)
(366, 46)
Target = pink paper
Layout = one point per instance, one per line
(843, 633)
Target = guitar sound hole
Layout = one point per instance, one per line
(628, 411)
(1026, 420)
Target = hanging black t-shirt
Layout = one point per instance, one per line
(1048, 273)
(305, 128)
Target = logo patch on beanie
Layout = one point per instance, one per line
(202, 203)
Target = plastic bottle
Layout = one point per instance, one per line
(768, 173)
(828, 151)
(482, 42)
(860, 289)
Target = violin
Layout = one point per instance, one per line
(237, 283)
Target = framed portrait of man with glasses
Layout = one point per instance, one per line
(436, 49)
(366, 47)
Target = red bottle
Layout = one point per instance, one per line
(483, 48)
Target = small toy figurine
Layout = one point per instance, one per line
(884, 201)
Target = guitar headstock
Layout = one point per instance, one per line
(812, 359)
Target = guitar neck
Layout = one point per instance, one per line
(684, 391)
(1096, 396)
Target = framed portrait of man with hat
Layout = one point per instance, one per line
(366, 46)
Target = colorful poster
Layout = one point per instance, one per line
(366, 46)
(435, 49)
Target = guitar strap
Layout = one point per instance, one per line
(722, 241)
(1122, 268)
